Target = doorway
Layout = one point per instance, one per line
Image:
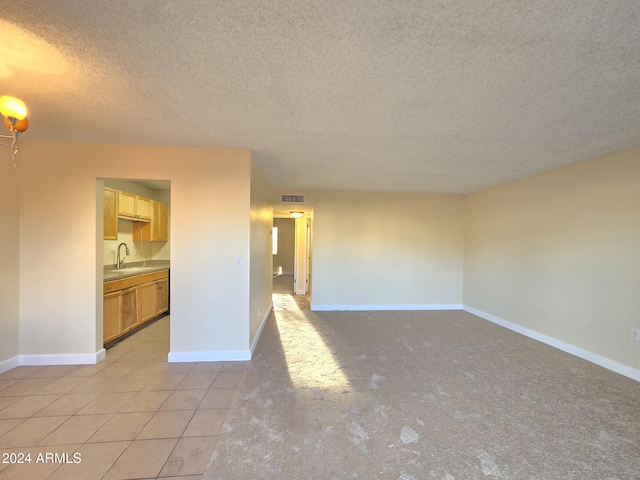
(292, 262)
(132, 256)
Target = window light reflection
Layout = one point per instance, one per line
(310, 363)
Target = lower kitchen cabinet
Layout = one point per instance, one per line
(130, 302)
(162, 296)
(154, 298)
(120, 313)
(112, 306)
(147, 301)
(130, 313)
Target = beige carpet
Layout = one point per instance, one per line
(283, 296)
(423, 395)
(283, 283)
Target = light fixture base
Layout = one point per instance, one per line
(14, 112)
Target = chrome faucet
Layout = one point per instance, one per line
(118, 261)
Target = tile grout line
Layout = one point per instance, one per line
(127, 353)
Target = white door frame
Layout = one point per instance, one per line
(302, 255)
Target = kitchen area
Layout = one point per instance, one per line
(136, 256)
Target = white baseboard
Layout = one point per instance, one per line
(63, 359)
(9, 364)
(331, 308)
(210, 356)
(224, 355)
(101, 355)
(560, 345)
(254, 343)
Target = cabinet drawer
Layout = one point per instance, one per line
(122, 283)
(150, 277)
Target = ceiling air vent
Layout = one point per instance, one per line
(291, 198)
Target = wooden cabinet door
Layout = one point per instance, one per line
(159, 222)
(147, 293)
(143, 208)
(112, 303)
(110, 214)
(130, 309)
(126, 204)
(157, 229)
(162, 295)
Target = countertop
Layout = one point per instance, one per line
(130, 270)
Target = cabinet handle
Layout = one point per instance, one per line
(122, 293)
(131, 282)
(109, 287)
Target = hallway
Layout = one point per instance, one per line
(284, 297)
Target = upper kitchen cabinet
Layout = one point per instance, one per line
(143, 208)
(159, 222)
(157, 230)
(134, 207)
(110, 214)
(126, 204)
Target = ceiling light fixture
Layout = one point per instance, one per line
(296, 214)
(14, 112)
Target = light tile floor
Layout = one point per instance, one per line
(131, 416)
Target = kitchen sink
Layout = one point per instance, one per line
(132, 269)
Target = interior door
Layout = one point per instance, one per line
(302, 255)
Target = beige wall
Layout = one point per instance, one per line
(286, 245)
(260, 269)
(9, 261)
(558, 254)
(59, 230)
(373, 250)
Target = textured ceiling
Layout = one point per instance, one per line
(446, 96)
